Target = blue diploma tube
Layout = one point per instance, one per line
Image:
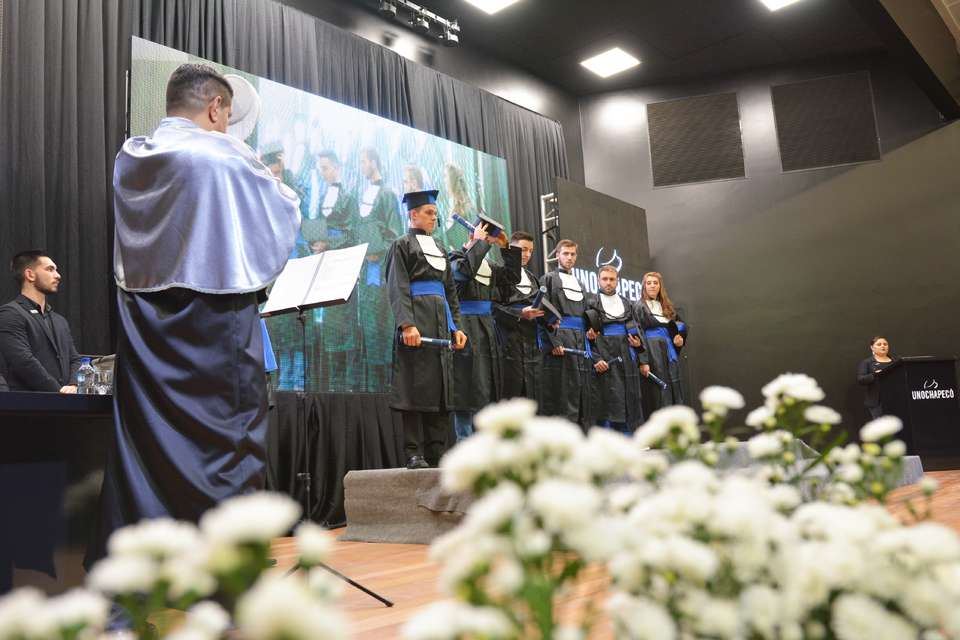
(436, 342)
(461, 220)
(610, 363)
(574, 352)
(663, 385)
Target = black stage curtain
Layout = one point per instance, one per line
(62, 88)
(344, 432)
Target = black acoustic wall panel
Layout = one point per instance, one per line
(695, 140)
(826, 122)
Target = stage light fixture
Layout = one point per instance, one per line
(388, 10)
(419, 24)
(449, 38)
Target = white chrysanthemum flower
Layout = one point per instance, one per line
(604, 454)
(22, 614)
(189, 572)
(784, 497)
(640, 618)
(466, 463)
(849, 454)
(205, 620)
(692, 474)
(719, 400)
(651, 435)
(881, 428)
(712, 617)
(449, 620)
(250, 518)
(859, 617)
(819, 414)
(850, 473)
(435, 622)
(928, 485)
(313, 543)
(924, 601)
(158, 539)
(761, 610)
(932, 542)
(761, 417)
(286, 609)
(764, 445)
(564, 505)
(504, 416)
(124, 575)
(591, 540)
(507, 576)
(798, 386)
(495, 509)
(569, 632)
(895, 449)
(78, 607)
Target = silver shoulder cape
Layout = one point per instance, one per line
(196, 209)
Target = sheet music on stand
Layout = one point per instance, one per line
(322, 280)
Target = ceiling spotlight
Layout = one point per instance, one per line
(419, 23)
(449, 38)
(387, 10)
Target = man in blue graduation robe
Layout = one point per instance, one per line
(202, 227)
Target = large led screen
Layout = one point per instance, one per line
(350, 169)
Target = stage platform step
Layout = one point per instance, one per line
(399, 506)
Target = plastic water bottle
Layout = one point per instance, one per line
(86, 378)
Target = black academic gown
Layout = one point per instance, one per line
(522, 357)
(477, 367)
(661, 364)
(615, 393)
(422, 376)
(565, 391)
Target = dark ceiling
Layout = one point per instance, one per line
(672, 38)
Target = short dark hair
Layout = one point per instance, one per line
(565, 243)
(608, 267)
(191, 88)
(520, 235)
(329, 155)
(372, 154)
(875, 338)
(26, 260)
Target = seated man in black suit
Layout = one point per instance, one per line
(35, 342)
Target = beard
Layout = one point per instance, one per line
(46, 288)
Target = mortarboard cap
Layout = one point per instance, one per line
(416, 199)
(494, 228)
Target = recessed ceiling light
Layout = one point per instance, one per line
(773, 5)
(611, 62)
(491, 6)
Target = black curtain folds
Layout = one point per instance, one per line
(62, 99)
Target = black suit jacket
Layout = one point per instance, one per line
(866, 376)
(37, 360)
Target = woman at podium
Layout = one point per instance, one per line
(870, 369)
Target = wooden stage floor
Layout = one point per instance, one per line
(403, 573)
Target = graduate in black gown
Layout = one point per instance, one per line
(477, 367)
(517, 327)
(615, 389)
(424, 301)
(565, 389)
(202, 227)
(665, 333)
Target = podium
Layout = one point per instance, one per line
(922, 392)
